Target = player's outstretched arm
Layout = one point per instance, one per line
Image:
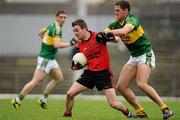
(122, 31)
(59, 44)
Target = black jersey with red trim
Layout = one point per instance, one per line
(95, 52)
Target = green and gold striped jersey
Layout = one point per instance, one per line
(53, 32)
(136, 41)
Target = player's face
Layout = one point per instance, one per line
(61, 18)
(78, 32)
(120, 13)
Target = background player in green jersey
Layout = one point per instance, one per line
(141, 60)
(46, 63)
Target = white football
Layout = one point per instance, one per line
(80, 58)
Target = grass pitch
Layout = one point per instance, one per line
(83, 110)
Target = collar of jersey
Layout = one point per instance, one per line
(121, 23)
(88, 38)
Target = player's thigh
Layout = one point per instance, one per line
(76, 88)
(56, 73)
(110, 94)
(38, 75)
(127, 75)
(143, 73)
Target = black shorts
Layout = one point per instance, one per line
(100, 79)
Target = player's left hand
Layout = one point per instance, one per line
(73, 41)
(77, 66)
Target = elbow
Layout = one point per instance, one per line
(39, 34)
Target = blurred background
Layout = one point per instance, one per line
(20, 21)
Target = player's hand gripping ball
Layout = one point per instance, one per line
(79, 61)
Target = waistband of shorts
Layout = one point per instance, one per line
(99, 71)
(143, 53)
(44, 58)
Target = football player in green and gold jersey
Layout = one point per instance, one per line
(46, 63)
(141, 60)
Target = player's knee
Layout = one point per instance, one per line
(120, 87)
(141, 86)
(61, 78)
(58, 81)
(69, 95)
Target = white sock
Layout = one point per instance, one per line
(129, 114)
(43, 99)
(18, 100)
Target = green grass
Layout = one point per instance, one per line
(83, 110)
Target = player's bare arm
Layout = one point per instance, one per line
(122, 31)
(59, 44)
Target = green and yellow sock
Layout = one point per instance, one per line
(139, 110)
(21, 97)
(46, 94)
(163, 106)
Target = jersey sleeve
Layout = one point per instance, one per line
(110, 26)
(131, 21)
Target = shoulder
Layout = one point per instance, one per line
(51, 29)
(94, 33)
(52, 24)
(112, 24)
(131, 18)
(93, 36)
(54, 28)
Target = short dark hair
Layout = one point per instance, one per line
(60, 12)
(81, 23)
(123, 4)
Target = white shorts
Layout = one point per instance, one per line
(147, 58)
(46, 65)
